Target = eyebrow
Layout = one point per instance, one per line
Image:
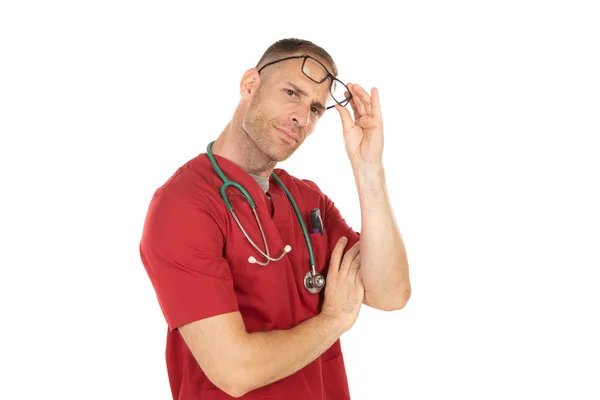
(317, 104)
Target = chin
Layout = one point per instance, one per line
(274, 147)
(279, 156)
(280, 153)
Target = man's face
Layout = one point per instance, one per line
(285, 109)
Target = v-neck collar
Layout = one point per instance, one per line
(281, 204)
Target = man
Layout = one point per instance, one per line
(245, 311)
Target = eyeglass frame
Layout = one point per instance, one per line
(344, 103)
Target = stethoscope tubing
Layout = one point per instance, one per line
(312, 275)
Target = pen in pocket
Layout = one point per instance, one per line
(316, 223)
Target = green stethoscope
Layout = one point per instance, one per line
(313, 281)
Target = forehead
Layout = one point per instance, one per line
(296, 68)
(309, 63)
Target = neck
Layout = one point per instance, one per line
(235, 145)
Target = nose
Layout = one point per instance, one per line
(301, 115)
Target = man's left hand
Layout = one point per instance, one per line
(363, 135)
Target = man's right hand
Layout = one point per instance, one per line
(344, 290)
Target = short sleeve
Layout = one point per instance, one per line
(182, 251)
(337, 226)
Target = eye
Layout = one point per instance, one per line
(315, 111)
(291, 93)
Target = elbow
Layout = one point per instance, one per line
(394, 305)
(232, 383)
(389, 303)
(235, 391)
(401, 300)
(240, 379)
(229, 377)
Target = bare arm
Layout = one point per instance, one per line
(386, 278)
(384, 268)
(237, 361)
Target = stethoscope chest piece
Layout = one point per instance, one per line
(314, 283)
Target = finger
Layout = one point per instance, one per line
(364, 96)
(348, 258)
(347, 122)
(353, 105)
(357, 99)
(359, 283)
(336, 255)
(368, 122)
(358, 278)
(376, 107)
(354, 267)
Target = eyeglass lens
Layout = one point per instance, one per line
(315, 71)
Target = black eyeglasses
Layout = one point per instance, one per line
(318, 73)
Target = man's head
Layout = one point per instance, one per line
(284, 96)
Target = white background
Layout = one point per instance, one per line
(492, 120)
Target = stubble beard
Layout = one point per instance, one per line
(257, 127)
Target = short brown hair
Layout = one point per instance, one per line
(288, 47)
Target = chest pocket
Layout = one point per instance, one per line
(318, 240)
(320, 251)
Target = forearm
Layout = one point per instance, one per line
(384, 264)
(270, 356)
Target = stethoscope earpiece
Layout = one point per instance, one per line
(252, 259)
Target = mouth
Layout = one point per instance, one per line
(287, 135)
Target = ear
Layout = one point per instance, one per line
(249, 83)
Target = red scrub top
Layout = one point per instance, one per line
(197, 260)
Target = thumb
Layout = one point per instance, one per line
(336, 257)
(346, 118)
